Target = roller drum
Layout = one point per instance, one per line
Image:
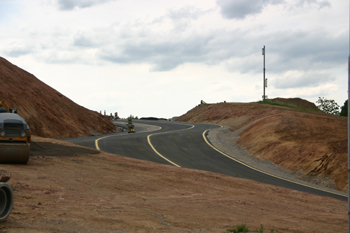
(6, 201)
(14, 152)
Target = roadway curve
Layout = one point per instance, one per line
(184, 145)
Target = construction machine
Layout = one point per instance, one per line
(131, 127)
(6, 195)
(15, 136)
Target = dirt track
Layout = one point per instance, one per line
(74, 189)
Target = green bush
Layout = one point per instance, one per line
(344, 109)
(328, 106)
(238, 228)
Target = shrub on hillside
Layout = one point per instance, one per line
(344, 109)
(328, 106)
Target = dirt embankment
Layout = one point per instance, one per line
(48, 112)
(308, 142)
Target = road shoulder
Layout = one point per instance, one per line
(226, 141)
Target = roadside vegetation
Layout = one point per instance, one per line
(243, 228)
(283, 105)
(344, 109)
(328, 106)
(323, 104)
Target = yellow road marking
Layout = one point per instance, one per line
(236, 160)
(96, 141)
(149, 142)
(154, 149)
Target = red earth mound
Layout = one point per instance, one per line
(308, 142)
(48, 112)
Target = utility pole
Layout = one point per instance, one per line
(349, 132)
(264, 79)
(348, 142)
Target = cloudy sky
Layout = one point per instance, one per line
(161, 58)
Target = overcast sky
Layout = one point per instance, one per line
(161, 58)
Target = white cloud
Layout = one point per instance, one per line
(208, 50)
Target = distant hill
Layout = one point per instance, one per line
(48, 112)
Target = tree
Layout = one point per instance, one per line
(344, 109)
(133, 117)
(328, 106)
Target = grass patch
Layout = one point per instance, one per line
(284, 105)
(243, 228)
(238, 228)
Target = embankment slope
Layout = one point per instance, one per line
(48, 112)
(308, 142)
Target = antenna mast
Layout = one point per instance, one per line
(264, 79)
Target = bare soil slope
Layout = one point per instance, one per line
(48, 112)
(308, 142)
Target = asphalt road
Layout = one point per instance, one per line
(184, 145)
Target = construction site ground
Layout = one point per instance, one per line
(67, 188)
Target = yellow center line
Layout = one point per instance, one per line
(236, 160)
(149, 142)
(96, 142)
(154, 149)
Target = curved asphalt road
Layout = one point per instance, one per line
(184, 145)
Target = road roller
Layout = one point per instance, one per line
(6, 201)
(131, 127)
(15, 136)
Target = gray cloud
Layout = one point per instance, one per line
(300, 50)
(164, 55)
(239, 50)
(308, 79)
(72, 4)
(18, 49)
(320, 3)
(183, 17)
(188, 12)
(239, 9)
(285, 50)
(58, 57)
(82, 40)
(17, 52)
